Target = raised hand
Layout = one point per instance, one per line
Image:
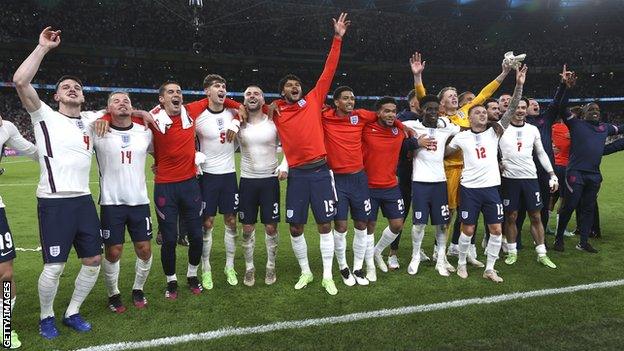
(341, 25)
(568, 77)
(521, 75)
(506, 67)
(416, 64)
(49, 38)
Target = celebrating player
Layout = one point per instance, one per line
(121, 156)
(259, 185)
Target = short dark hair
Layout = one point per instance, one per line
(525, 99)
(213, 78)
(489, 101)
(115, 93)
(461, 96)
(384, 100)
(340, 90)
(66, 77)
(428, 98)
(411, 95)
(473, 107)
(161, 89)
(254, 85)
(444, 90)
(285, 79)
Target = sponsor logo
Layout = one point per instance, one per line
(464, 214)
(6, 253)
(395, 131)
(301, 102)
(506, 202)
(418, 214)
(105, 233)
(55, 250)
(499, 217)
(289, 213)
(354, 119)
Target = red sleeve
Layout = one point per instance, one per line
(367, 116)
(138, 120)
(229, 103)
(195, 108)
(324, 83)
(106, 117)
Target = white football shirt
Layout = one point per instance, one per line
(258, 143)
(516, 145)
(211, 129)
(10, 136)
(65, 149)
(428, 165)
(480, 151)
(121, 156)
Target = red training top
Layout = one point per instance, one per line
(381, 149)
(561, 140)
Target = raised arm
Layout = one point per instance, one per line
(515, 98)
(324, 82)
(489, 89)
(614, 147)
(568, 81)
(418, 66)
(48, 40)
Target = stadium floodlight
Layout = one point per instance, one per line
(196, 3)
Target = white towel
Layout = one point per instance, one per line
(163, 121)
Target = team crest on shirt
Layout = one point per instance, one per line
(506, 202)
(395, 131)
(80, 124)
(418, 215)
(289, 213)
(302, 102)
(55, 250)
(354, 119)
(125, 138)
(105, 233)
(220, 123)
(464, 214)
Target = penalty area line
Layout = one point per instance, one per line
(348, 318)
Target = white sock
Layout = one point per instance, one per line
(271, 247)
(340, 248)
(463, 247)
(370, 251)
(541, 250)
(84, 283)
(206, 250)
(441, 240)
(360, 242)
(171, 278)
(111, 276)
(327, 254)
(230, 247)
(512, 248)
(141, 271)
(249, 243)
(300, 248)
(418, 233)
(191, 271)
(47, 286)
(387, 237)
(493, 248)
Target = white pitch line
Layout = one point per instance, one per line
(347, 318)
(20, 161)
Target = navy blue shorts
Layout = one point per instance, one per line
(430, 200)
(180, 199)
(352, 191)
(65, 222)
(560, 172)
(263, 193)
(219, 190)
(7, 245)
(115, 219)
(310, 188)
(476, 200)
(518, 192)
(390, 201)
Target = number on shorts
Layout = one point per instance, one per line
(444, 210)
(329, 206)
(499, 209)
(236, 199)
(275, 208)
(537, 196)
(6, 242)
(148, 224)
(367, 205)
(400, 205)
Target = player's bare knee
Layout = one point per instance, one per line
(92, 261)
(370, 227)
(535, 217)
(495, 229)
(143, 250)
(340, 226)
(324, 228)
(359, 225)
(230, 220)
(271, 229)
(296, 229)
(113, 253)
(6, 272)
(396, 225)
(209, 222)
(248, 228)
